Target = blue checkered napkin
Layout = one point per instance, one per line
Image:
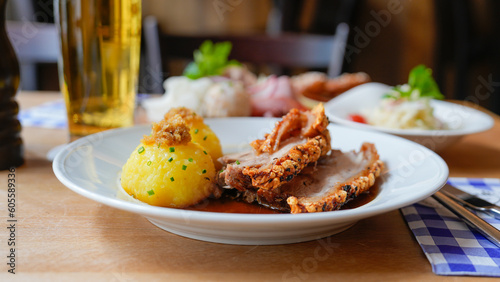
(47, 115)
(452, 247)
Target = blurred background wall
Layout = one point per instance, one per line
(214, 17)
(405, 41)
(459, 39)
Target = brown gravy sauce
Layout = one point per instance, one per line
(228, 205)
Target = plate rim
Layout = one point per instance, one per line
(238, 218)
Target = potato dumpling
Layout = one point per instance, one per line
(200, 132)
(167, 169)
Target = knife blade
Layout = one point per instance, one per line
(471, 201)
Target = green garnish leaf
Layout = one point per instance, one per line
(172, 179)
(196, 131)
(172, 149)
(184, 167)
(205, 138)
(210, 59)
(237, 162)
(159, 144)
(388, 96)
(141, 150)
(149, 163)
(190, 160)
(151, 192)
(204, 171)
(420, 84)
(205, 152)
(170, 159)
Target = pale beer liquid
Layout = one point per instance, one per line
(100, 42)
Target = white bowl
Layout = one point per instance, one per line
(461, 120)
(91, 167)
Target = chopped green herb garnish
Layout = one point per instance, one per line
(237, 162)
(172, 149)
(149, 163)
(190, 160)
(204, 171)
(141, 150)
(205, 152)
(151, 192)
(205, 138)
(221, 171)
(196, 131)
(184, 167)
(172, 179)
(159, 144)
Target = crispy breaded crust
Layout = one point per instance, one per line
(169, 131)
(188, 115)
(285, 168)
(310, 126)
(349, 190)
(295, 123)
(293, 197)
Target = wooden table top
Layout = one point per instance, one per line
(62, 235)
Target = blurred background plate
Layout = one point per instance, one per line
(461, 120)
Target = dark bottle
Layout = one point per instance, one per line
(11, 145)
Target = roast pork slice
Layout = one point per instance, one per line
(268, 171)
(336, 178)
(300, 138)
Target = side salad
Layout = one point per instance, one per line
(407, 106)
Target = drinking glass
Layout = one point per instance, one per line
(99, 63)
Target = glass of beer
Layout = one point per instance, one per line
(99, 64)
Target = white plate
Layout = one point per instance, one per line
(91, 166)
(461, 120)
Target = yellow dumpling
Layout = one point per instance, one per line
(169, 170)
(200, 132)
